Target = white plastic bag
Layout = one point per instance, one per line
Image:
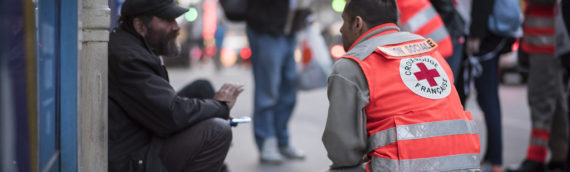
(315, 70)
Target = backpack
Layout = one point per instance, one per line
(506, 18)
(235, 10)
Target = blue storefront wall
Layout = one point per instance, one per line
(68, 85)
(39, 52)
(57, 84)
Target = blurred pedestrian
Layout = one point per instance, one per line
(484, 46)
(546, 98)
(392, 103)
(565, 7)
(480, 42)
(565, 59)
(152, 128)
(456, 28)
(275, 78)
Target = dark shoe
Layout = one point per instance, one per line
(225, 168)
(269, 153)
(557, 166)
(529, 166)
(291, 153)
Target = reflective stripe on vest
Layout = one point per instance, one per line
(419, 19)
(539, 39)
(539, 32)
(422, 18)
(462, 162)
(421, 130)
(438, 34)
(375, 32)
(364, 48)
(539, 22)
(539, 142)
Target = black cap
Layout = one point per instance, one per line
(166, 9)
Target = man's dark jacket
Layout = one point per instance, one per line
(143, 107)
(480, 12)
(267, 16)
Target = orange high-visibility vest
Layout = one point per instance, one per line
(538, 28)
(419, 17)
(415, 120)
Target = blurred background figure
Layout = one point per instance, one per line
(275, 77)
(546, 96)
(419, 17)
(448, 10)
(493, 28)
(563, 20)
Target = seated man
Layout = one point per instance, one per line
(151, 128)
(393, 105)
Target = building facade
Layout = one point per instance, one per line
(53, 91)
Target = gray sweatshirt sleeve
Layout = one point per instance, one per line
(345, 137)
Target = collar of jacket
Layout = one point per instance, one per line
(376, 31)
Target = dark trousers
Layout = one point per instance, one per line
(548, 109)
(201, 89)
(201, 147)
(487, 88)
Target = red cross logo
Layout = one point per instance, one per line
(424, 73)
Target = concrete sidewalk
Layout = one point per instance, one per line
(308, 121)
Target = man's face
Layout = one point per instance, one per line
(161, 36)
(347, 31)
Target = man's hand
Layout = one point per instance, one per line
(228, 93)
(473, 45)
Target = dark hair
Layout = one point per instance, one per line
(373, 12)
(126, 22)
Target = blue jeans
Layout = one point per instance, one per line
(275, 80)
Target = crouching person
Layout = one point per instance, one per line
(393, 106)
